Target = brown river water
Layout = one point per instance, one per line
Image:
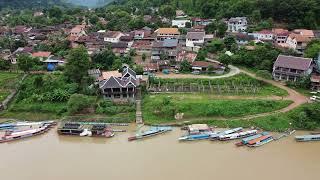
(53, 157)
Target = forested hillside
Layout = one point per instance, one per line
(296, 13)
(30, 4)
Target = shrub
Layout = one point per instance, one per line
(79, 102)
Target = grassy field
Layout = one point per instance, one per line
(162, 108)
(305, 117)
(240, 81)
(7, 83)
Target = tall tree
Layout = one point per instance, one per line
(77, 65)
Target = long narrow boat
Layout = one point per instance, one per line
(237, 135)
(215, 136)
(151, 132)
(11, 136)
(7, 126)
(245, 141)
(192, 137)
(305, 138)
(260, 141)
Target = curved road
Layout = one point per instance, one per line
(233, 71)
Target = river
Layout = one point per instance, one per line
(53, 157)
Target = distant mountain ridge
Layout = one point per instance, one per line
(31, 4)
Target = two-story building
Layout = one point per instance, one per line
(291, 68)
(237, 24)
(263, 35)
(164, 50)
(113, 36)
(167, 33)
(280, 35)
(122, 87)
(297, 42)
(180, 23)
(195, 39)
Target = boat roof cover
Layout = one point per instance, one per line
(198, 127)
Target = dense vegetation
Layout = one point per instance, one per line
(295, 13)
(22, 4)
(164, 107)
(7, 83)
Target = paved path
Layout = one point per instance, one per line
(297, 98)
(233, 71)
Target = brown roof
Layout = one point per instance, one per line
(195, 35)
(168, 31)
(315, 78)
(280, 32)
(299, 38)
(304, 32)
(293, 62)
(41, 54)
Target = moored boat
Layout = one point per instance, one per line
(215, 136)
(305, 138)
(151, 132)
(260, 141)
(238, 135)
(11, 135)
(192, 137)
(245, 141)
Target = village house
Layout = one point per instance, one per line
(297, 42)
(315, 76)
(207, 67)
(200, 21)
(237, 24)
(150, 68)
(186, 55)
(77, 31)
(167, 33)
(180, 13)
(304, 32)
(280, 36)
(142, 46)
(263, 35)
(195, 40)
(113, 36)
(180, 23)
(242, 38)
(164, 50)
(119, 48)
(42, 55)
(290, 68)
(122, 87)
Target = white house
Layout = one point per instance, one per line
(180, 23)
(113, 36)
(195, 39)
(264, 35)
(297, 42)
(237, 24)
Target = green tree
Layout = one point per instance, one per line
(144, 57)
(215, 46)
(188, 25)
(4, 64)
(225, 59)
(313, 49)
(79, 102)
(167, 11)
(77, 64)
(104, 59)
(26, 62)
(229, 41)
(185, 66)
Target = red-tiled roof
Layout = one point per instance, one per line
(41, 54)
